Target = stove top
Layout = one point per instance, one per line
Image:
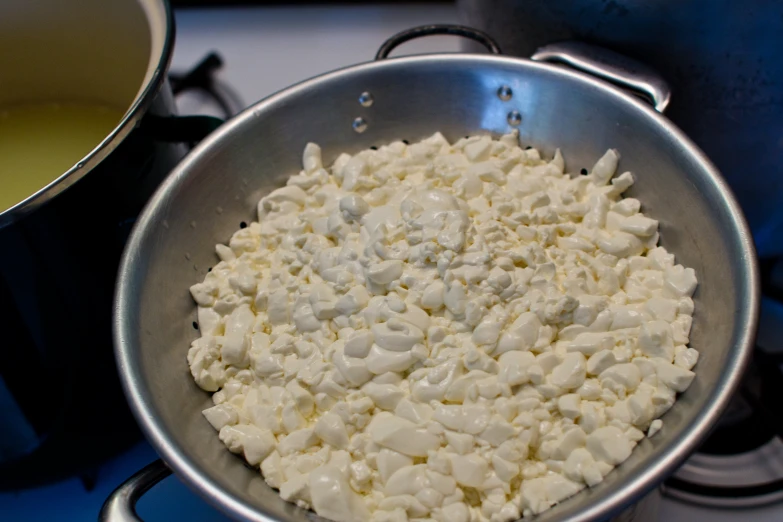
(225, 58)
(740, 465)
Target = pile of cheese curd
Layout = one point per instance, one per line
(442, 332)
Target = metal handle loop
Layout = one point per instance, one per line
(427, 30)
(611, 66)
(121, 504)
(179, 129)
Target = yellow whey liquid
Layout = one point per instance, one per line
(39, 142)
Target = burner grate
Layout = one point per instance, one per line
(741, 463)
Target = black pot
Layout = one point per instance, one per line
(61, 406)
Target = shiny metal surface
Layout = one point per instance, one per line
(644, 510)
(121, 504)
(366, 99)
(505, 93)
(400, 38)
(610, 66)
(514, 118)
(721, 58)
(218, 185)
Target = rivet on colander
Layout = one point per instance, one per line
(359, 125)
(514, 118)
(505, 93)
(365, 99)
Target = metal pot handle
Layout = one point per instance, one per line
(427, 30)
(179, 129)
(611, 66)
(121, 504)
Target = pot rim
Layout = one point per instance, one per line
(138, 108)
(126, 296)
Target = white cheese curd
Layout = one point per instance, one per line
(448, 332)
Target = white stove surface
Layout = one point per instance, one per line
(266, 49)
